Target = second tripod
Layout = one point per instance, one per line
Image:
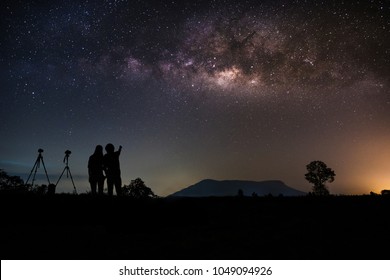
(67, 169)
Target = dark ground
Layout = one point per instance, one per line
(85, 227)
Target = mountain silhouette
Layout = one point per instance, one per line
(210, 187)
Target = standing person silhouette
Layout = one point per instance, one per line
(95, 170)
(112, 169)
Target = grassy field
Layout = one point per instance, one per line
(85, 227)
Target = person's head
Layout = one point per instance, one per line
(110, 148)
(99, 149)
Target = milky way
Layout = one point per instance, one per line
(247, 50)
(206, 89)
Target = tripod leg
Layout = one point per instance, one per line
(47, 176)
(61, 176)
(35, 173)
(67, 172)
(74, 187)
(34, 167)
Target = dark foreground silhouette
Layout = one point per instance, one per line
(87, 227)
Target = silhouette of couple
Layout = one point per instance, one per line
(109, 164)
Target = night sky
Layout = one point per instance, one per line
(250, 90)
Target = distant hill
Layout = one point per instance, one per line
(210, 187)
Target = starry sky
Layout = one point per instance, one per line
(250, 90)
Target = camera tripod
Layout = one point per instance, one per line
(37, 164)
(67, 169)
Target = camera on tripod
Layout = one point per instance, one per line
(67, 153)
(51, 187)
(68, 173)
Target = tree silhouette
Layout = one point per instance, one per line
(318, 174)
(138, 189)
(10, 183)
(39, 189)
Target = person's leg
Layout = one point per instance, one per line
(110, 186)
(100, 186)
(118, 186)
(93, 186)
